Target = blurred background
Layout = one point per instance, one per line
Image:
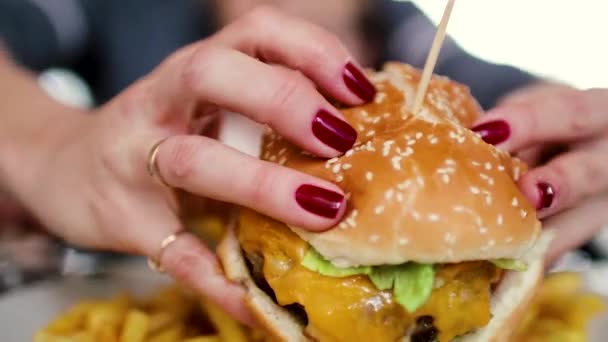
(85, 52)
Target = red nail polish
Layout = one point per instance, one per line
(333, 131)
(493, 132)
(358, 83)
(546, 194)
(319, 201)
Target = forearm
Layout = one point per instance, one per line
(29, 121)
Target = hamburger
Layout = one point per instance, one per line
(437, 243)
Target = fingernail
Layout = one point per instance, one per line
(493, 132)
(358, 83)
(333, 131)
(546, 194)
(319, 201)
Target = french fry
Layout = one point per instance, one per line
(203, 339)
(228, 329)
(171, 334)
(72, 320)
(135, 328)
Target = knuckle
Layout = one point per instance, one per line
(261, 17)
(181, 265)
(180, 158)
(194, 71)
(263, 183)
(286, 92)
(580, 115)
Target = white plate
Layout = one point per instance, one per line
(24, 311)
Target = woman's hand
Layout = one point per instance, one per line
(563, 134)
(91, 185)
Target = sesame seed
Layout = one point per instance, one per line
(488, 166)
(376, 120)
(272, 158)
(369, 146)
(342, 225)
(370, 133)
(499, 220)
(514, 202)
(339, 178)
(369, 176)
(332, 160)
(458, 208)
(478, 220)
(336, 168)
(380, 97)
(475, 190)
(411, 142)
(483, 230)
(501, 168)
(395, 161)
(364, 113)
(416, 215)
(450, 162)
(283, 160)
(349, 153)
(389, 194)
(404, 185)
(461, 139)
(419, 135)
(491, 242)
(346, 166)
(449, 238)
(433, 141)
(374, 238)
(488, 199)
(475, 163)
(269, 145)
(360, 127)
(420, 181)
(351, 222)
(399, 197)
(433, 217)
(403, 241)
(516, 173)
(386, 115)
(523, 213)
(445, 179)
(283, 150)
(408, 152)
(379, 209)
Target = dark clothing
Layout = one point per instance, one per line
(112, 43)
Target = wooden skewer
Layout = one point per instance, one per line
(431, 60)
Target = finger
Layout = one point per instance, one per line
(208, 168)
(561, 115)
(273, 95)
(186, 259)
(275, 37)
(566, 180)
(576, 226)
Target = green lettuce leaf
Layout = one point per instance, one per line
(412, 283)
(315, 262)
(510, 264)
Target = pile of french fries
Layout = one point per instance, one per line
(170, 315)
(561, 311)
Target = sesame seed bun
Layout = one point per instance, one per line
(420, 188)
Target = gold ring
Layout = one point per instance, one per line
(152, 165)
(154, 263)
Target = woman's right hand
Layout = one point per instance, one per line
(267, 66)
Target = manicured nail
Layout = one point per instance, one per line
(546, 194)
(493, 132)
(319, 201)
(333, 131)
(358, 83)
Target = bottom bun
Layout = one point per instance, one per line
(508, 302)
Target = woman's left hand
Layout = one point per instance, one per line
(562, 133)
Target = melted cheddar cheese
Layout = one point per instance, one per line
(352, 308)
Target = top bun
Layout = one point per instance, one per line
(423, 188)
